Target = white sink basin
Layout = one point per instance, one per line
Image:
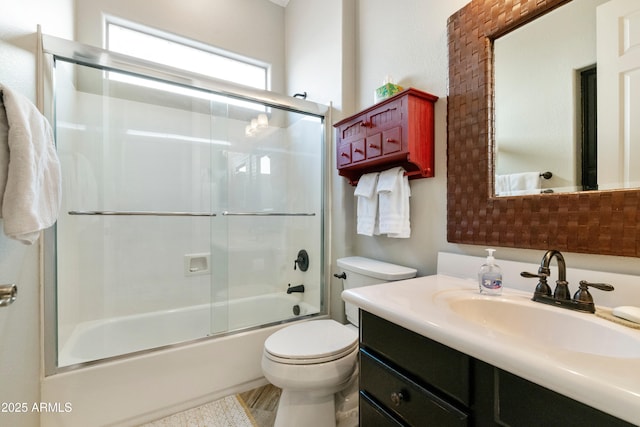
(516, 315)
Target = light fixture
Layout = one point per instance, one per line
(256, 124)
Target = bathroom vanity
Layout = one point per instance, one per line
(407, 378)
(430, 356)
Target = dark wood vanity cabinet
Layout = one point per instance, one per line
(398, 131)
(409, 380)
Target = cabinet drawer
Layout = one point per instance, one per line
(406, 399)
(344, 154)
(372, 414)
(358, 151)
(427, 361)
(392, 140)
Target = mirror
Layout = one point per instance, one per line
(557, 76)
(598, 222)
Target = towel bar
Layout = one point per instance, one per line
(209, 214)
(225, 213)
(141, 213)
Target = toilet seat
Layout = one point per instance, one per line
(316, 341)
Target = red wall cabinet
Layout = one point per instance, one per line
(398, 131)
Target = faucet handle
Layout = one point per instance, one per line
(583, 294)
(542, 288)
(602, 286)
(533, 275)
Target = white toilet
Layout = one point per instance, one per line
(311, 361)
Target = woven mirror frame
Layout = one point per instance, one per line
(596, 222)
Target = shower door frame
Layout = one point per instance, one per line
(52, 48)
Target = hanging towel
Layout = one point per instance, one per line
(393, 204)
(518, 184)
(367, 207)
(30, 183)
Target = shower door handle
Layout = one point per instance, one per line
(8, 294)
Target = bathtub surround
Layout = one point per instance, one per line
(30, 178)
(154, 174)
(101, 339)
(141, 388)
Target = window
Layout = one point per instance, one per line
(170, 50)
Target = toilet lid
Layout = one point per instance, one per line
(315, 341)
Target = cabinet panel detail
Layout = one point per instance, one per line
(425, 360)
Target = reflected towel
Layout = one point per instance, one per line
(393, 194)
(367, 207)
(30, 183)
(518, 184)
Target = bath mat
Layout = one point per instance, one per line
(229, 411)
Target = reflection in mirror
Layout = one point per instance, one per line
(545, 107)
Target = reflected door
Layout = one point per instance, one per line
(618, 52)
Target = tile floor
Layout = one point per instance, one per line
(263, 403)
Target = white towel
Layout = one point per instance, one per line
(393, 204)
(518, 184)
(367, 207)
(30, 184)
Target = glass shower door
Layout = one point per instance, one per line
(274, 212)
(133, 241)
(185, 213)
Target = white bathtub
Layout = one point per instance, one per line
(100, 339)
(132, 390)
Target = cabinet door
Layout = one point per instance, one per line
(521, 403)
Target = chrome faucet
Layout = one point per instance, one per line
(581, 301)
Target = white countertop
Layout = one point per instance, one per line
(610, 384)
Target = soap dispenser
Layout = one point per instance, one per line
(490, 276)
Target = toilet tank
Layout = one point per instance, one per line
(361, 271)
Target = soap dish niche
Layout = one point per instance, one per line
(196, 264)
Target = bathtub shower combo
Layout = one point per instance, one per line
(187, 203)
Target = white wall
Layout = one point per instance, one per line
(413, 50)
(20, 322)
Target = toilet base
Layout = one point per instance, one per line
(301, 408)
